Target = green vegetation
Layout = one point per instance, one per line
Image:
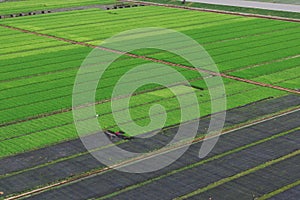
(14, 7)
(38, 73)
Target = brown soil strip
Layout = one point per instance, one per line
(143, 157)
(215, 11)
(152, 59)
(134, 56)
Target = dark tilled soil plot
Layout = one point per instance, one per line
(258, 183)
(61, 170)
(187, 180)
(290, 194)
(198, 177)
(65, 149)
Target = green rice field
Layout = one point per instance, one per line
(34, 84)
(40, 55)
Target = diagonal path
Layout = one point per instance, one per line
(150, 155)
(152, 59)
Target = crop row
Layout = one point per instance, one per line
(165, 22)
(240, 149)
(236, 98)
(225, 151)
(280, 76)
(266, 69)
(291, 83)
(221, 50)
(57, 79)
(52, 101)
(34, 61)
(65, 89)
(232, 43)
(33, 5)
(61, 47)
(24, 62)
(105, 17)
(64, 102)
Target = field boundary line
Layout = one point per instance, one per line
(238, 175)
(264, 63)
(143, 157)
(215, 11)
(166, 128)
(218, 156)
(280, 190)
(152, 59)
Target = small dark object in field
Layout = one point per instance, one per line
(134, 5)
(127, 6)
(31, 13)
(1, 17)
(110, 134)
(44, 12)
(120, 7)
(12, 15)
(119, 134)
(21, 14)
(107, 8)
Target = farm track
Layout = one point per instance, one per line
(73, 181)
(215, 11)
(108, 113)
(62, 70)
(268, 120)
(259, 123)
(153, 59)
(265, 107)
(214, 173)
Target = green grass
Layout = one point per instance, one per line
(12, 7)
(37, 73)
(60, 127)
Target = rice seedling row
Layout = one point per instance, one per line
(33, 5)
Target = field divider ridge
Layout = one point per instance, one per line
(241, 174)
(146, 156)
(152, 59)
(238, 149)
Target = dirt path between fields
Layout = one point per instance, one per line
(146, 156)
(153, 59)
